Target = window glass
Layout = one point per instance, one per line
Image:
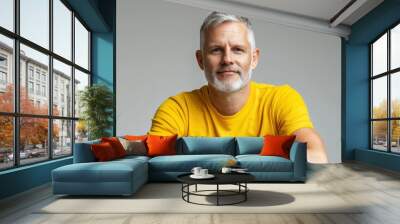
(39, 61)
(62, 29)
(34, 81)
(6, 74)
(379, 100)
(81, 45)
(379, 135)
(81, 131)
(62, 91)
(62, 137)
(7, 14)
(34, 21)
(395, 138)
(395, 95)
(81, 82)
(395, 47)
(6, 142)
(33, 139)
(379, 56)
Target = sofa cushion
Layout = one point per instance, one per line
(136, 137)
(131, 158)
(277, 145)
(161, 145)
(257, 163)
(134, 147)
(116, 145)
(103, 151)
(185, 163)
(111, 171)
(207, 145)
(249, 145)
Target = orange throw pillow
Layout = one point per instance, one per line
(277, 145)
(161, 145)
(103, 152)
(116, 145)
(136, 137)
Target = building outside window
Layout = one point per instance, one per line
(43, 77)
(43, 90)
(3, 72)
(38, 75)
(30, 72)
(3, 78)
(30, 87)
(3, 61)
(38, 89)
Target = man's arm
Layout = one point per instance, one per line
(315, 147)
(169, 118)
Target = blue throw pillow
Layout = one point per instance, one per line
(249, 145)
(207, 145)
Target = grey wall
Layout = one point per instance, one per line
(156, 43)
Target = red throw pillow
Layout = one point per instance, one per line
(277, 145)
(103, 151)
(136, 137)
(116, 145)
(161, 145)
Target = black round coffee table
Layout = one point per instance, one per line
(238, 179)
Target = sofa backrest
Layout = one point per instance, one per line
(191, 146)
(249, 145)
(206, 145)
(83, 152)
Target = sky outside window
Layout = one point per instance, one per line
(379, 56)
(62, 29)
(81, 45)
(395, 47)
(35, 21)
(7, 14)
(35, 27)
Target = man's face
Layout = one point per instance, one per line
(227, 58)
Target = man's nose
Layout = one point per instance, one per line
(227, 57)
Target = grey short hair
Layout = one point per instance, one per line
(216, 18)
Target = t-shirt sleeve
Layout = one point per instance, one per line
(292, 113)
(169, 118)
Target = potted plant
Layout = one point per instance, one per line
(96, 102)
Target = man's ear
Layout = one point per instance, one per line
(255, 57)
(199, 58)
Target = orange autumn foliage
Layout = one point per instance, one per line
(33, 130)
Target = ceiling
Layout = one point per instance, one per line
(318, 9)
(332, 17)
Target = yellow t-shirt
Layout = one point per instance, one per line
(272, 110)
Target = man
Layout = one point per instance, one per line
(231, 104)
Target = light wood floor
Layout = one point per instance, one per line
(378, 188)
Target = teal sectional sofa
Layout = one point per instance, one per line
(125, 176)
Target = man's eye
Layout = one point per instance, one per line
(215, 50)
(238, 50)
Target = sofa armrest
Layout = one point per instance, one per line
(298, 155)
(83, 152)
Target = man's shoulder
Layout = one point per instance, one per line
(195, 93)
(184, 97)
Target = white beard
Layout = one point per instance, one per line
(228, 87)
